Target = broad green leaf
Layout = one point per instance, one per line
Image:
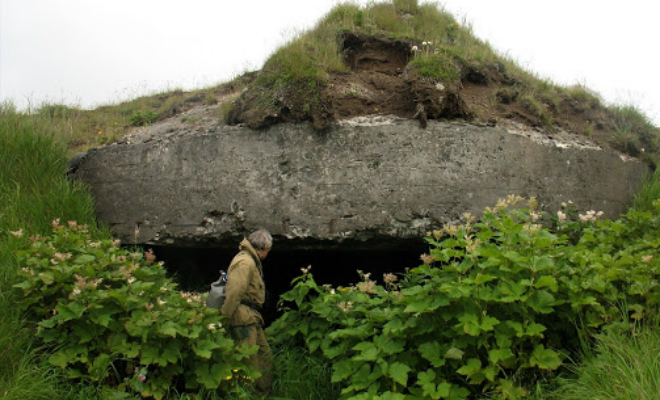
(514, 257)
(511, 291)
(426, 380)
(23, 285)
(510, 390)
(393, 326)
(169, 328)
(368, 352)
(545, 358)
(170, 354)
(361, 379)
(100, 366)
(47, 277)
(150, 354)
(84, 259)
(470, 324)
(547, 281)
(334, 351)
(204, 348)
(388, 345)
(391, 396)
(454, 354)
(489, 323)
(59, 359)
(542, 263)
(518, 327)
(419, 306)
(343, 369)
(472, 367)
(481, 279)
(431, 352)
(490, 372)
(73, 310)
(541, 301)
(101, 318)
(534, 329)
(497, 355)
(399, 373)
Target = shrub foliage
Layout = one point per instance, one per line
(114, 317)
(498, 303)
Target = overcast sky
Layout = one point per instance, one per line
(92, 52)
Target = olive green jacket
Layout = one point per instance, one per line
(245, 282)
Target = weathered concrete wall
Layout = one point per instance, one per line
(365, 178)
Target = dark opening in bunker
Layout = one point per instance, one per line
(194, 269)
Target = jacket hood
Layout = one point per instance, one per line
(247, 247)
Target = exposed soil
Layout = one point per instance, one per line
(381, 82)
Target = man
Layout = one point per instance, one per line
(245, 295)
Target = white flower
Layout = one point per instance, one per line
(561, 216)
(130, 280)
(18, 233)
(75, 292)
(211, 327)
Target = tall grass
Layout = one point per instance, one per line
(300, 376)
(649, 192)
(625, 365)
(34, 190)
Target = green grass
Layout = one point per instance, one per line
(624, 365)
(33, 191)
(649, 193)
(295, 382)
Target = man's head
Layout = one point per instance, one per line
(261, 241)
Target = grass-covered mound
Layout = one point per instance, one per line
(416, 61)
(388, 58)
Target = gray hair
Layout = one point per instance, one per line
(260, 239)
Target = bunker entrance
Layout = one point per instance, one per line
(194, 269)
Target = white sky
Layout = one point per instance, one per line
(92, 52)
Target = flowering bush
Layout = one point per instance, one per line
(497, 303)
(114, 317)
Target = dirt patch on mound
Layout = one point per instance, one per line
(381, 81)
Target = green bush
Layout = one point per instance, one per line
(113, 317)
(143, 117)
(436, 67)
(498, 303)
